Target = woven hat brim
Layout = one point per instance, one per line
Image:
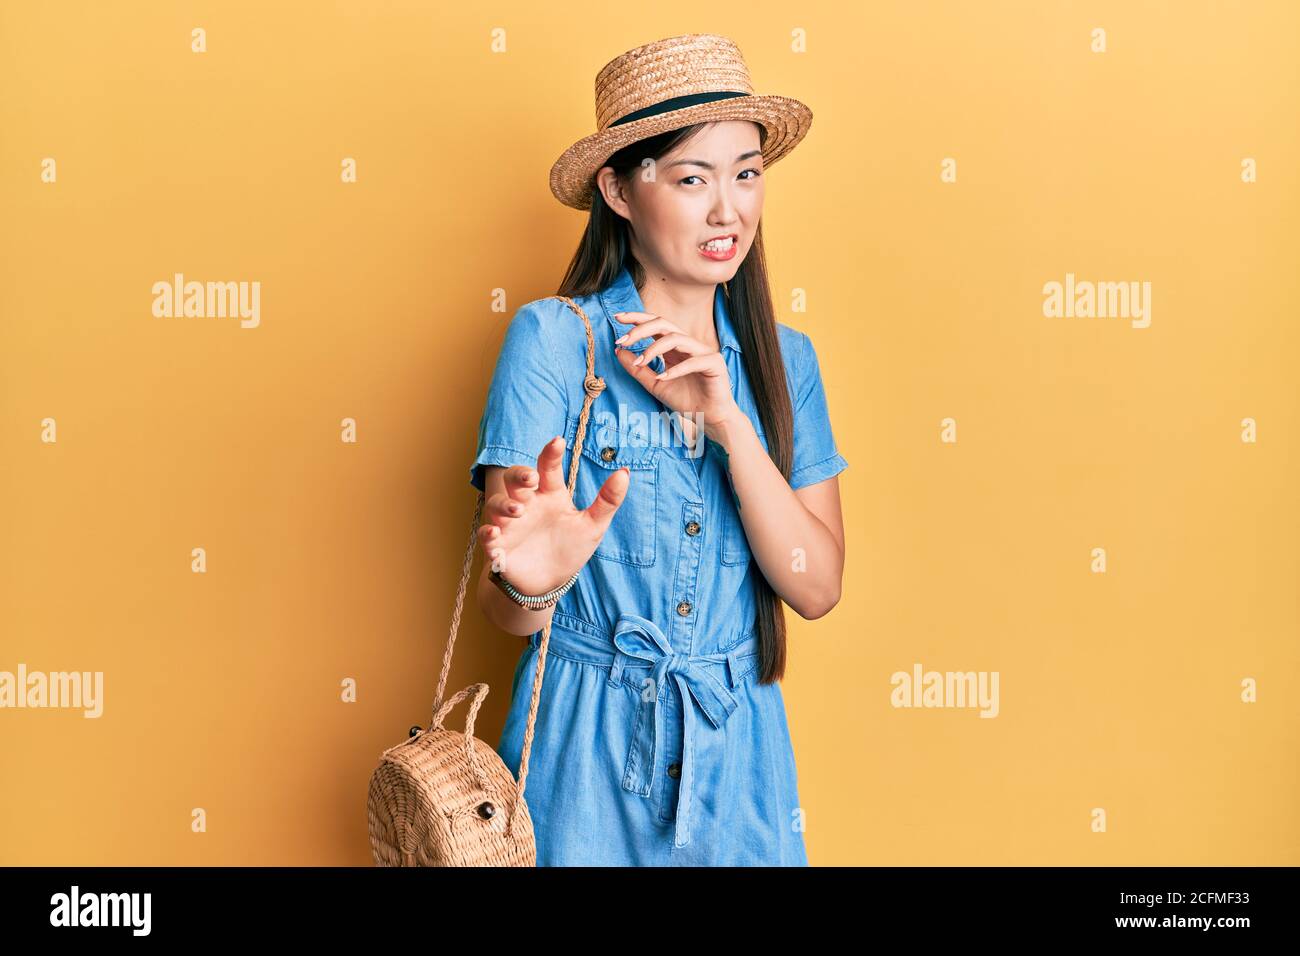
(786, 120)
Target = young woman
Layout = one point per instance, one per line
(661, 734)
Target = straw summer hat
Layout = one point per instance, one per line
(665, 85)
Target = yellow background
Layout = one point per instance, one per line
(329, 560)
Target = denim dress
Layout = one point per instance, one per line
(655, 745)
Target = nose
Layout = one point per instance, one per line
(723, 213)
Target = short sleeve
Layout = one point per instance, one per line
(527, 403)
(816, 457)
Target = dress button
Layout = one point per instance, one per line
(692, 527)
(674, 770)
(684, 608)
(607, 454)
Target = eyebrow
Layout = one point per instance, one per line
(699, 162)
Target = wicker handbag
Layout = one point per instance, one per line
(443, 798)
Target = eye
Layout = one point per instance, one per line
(756, 172)
(682, 182)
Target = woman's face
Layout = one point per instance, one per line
(710, 186)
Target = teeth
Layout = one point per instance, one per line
(718, 245)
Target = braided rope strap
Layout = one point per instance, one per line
(593, 385)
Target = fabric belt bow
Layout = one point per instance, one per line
(698, 687)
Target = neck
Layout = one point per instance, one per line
(689, 307)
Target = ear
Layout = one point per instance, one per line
(611, 190)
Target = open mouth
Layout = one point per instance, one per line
(725, 244)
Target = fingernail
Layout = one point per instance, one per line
(621, 339)
(639, 360)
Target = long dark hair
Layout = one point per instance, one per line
(605, 249)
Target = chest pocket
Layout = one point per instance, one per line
(735, 546)
(631, 537)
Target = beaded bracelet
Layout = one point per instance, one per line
(532, 602)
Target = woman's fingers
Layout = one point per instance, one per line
(520, 482)
(641, 373)
(673, 341)
(489, 539)
(549, 470)
(501, 509)
(520, 485)
(646, 327)
(698, 363)
(611, 495)
(638, 318)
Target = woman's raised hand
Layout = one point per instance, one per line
(531, 531)
(695, 378)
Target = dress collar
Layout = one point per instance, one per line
(621, 296)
